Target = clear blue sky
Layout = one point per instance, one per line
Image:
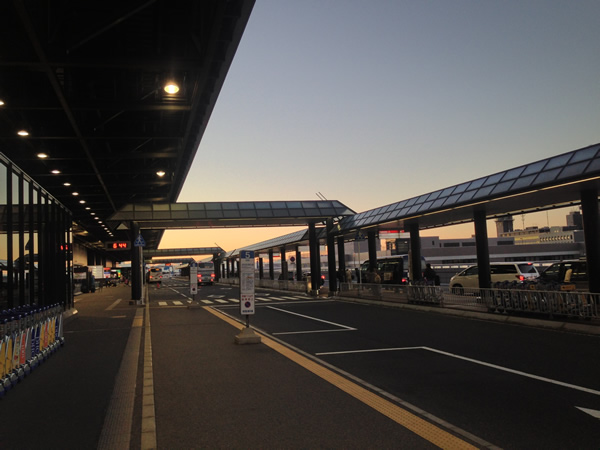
(371, 102)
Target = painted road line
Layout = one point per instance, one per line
(113, 305)
(177, 302)
(475, 361)
(290, 298)
(313, 318)
(219, 300)
(401, 416)
(264, 299)
(162, 303)
(208, 302)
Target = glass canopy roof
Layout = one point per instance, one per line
(574, 166)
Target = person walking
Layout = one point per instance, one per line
(429, 275)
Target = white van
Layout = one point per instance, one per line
(501, 271)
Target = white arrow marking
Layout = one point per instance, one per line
(591, 412)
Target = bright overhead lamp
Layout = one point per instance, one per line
(42, 155)
(66, 184)
(23, 133)
(82, 201)
(1, 103)
(171, 88)
(75, 193)
(55, 171)
(161, 173)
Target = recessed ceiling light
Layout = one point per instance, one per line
(82, 201)
(161, 173)
(76, 193)
(87, 208)
(1, 103)
(55, 171)
(67, 184)
(23, 133)
(42, 155)
(97, 218)
(171, 88)
(92, 214)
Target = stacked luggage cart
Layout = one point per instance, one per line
(28, 336)
(425, 293)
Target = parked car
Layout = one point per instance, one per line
(154, 275)
(503, 271)
(568, 272)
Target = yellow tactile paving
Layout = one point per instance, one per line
(417, 425)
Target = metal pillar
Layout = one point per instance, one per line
(483, 252)
(331, 257)
(372, 245)
(284, 269)
(591, 231)
(415, 253)
(137, 264)
(315, 259)
(298, 263)
(261, 269)
(271, 264)
(341, 255)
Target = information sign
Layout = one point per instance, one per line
(247, 282)
(193, 279)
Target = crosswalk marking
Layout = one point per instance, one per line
(222, 299)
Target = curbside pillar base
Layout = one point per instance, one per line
(247, 336)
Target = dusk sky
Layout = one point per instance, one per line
(372, 102)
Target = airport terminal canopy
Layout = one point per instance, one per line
(162, 216)
(550, 183)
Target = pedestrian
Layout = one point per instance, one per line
(429, 275)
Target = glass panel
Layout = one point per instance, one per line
(143, 208)
(594, 166)
(452, 199)
(422, 198)
(523, 182)
(558, 161)
(446, 192)
(178, 207)
(262, 205)
(230, 206)
(461, 188)
(514, 173)
(477, 183)
(534, 168)
(231, 214)
(585, 154)
(411, 201)
(484, 191)
(309, 204)
(425, 206)
(546, 177)
(438, 203)
(503, 187)
(467, 196)
(493, 179)
(246, 205)
(3, 238)
(434, 195)
(213, 206)
(573, 170)
(160, 206)
(196, 206)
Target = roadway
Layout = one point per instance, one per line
(328, 374)
(509, 386)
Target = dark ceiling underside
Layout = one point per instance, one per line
(86, 78)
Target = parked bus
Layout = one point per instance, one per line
(392, 269)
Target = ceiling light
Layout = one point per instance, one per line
(55, 171)
(97, 218)
(76, 193)
(92, 214)
(87, 208)
(161, 173)
(42, 155)
(82, 201)
(171, 88)
(67, 184)
(1, 103)
(23, 133)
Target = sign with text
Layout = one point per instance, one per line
(247, 282)
(193, 279)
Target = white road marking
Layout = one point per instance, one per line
(312, 318)
(263, 299)
(177, 302)
(475, 361)
(162, 303)
(113, 305)
(222, 301)
(208, 302)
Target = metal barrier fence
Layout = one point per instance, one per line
(28, 335)
(515, 300)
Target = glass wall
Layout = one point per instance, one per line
(35, 243)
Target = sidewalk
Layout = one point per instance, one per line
(208, 392)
